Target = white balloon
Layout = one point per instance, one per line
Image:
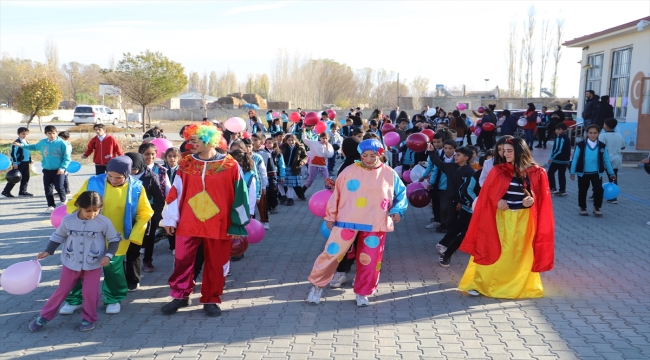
(417, 172)
(522, 122)
(37, 167)
(432, 112)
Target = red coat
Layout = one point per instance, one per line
(482, 238)
(108, 147)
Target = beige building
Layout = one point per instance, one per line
(616, 62)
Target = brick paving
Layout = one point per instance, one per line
(597, 303)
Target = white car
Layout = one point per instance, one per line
(94, 114)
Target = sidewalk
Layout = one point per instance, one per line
(596, 306)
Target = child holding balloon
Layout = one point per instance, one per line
(20, 160)
(85, 234)
(319, 151)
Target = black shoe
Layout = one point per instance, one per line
(173, 306)
(289, 202)
(212, 310)
(25, 194)
(236, 258)
(132, 288)
(538, 146)
(444, 262)
(441, 229)
(283, 200)
(7, 195)
(544, 147)
(302, 198)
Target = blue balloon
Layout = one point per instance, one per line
(5, 162)
(324, 230)
(73, 167)
(610, 191)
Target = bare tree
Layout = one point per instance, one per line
(52, 55)
(419, 89)
(520, 70)
(193, 83)
(511, 58)
(557, 51)
(212, 85)
(546, 42)
(529, 49)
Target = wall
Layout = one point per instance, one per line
(639, 67)
(10, 116)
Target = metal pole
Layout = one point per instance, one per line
(397, 89)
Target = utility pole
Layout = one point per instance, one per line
(397, 89)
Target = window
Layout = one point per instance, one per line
(619, 86)
(595, 73)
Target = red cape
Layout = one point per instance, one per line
(482, 238)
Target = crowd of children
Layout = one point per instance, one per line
(136, 195)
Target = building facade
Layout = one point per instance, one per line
(616, 62)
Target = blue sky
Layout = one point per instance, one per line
(452, 43)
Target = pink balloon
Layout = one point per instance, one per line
(255, 231)
(398, 170)
(235, 124)
(391, 139)
(21, 278)
(461, 107)
(413, 186)
(318, 202)
(477, 131)
(406, 176)
(57, 215)
(276, 114)
(161, 146)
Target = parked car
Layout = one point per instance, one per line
(94, 114)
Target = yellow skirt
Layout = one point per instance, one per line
(511, 276)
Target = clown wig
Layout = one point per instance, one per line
(207, 134)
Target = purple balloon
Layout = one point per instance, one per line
(255, 231)
(318, 202)
(412, 187)
(406, 176)
(21, 278)
(391, 139)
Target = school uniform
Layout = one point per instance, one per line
(466, 196)
(20, 157)
(560, 157)
(590, 161)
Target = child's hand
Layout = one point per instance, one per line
(458, 207)
(16, 143)
(84, 156)
(528, 201)
(15, 167)
(549, 161)
(502, 205)
(105, 261)
(431, 147)
(330, 224)
(42, 255)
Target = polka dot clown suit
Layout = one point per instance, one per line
(361, 205)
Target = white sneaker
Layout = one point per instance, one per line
(68, 309)
(63, 202)
(314, 295)
(338, 280)
(362, 301)
(50, 209)
(433, 225)
(473, 292)
(441, 248)
(266, 226)
(113, 308)
(174, 252)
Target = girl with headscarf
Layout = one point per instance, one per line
(368, 199)
(151, 185)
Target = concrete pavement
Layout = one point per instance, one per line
(597, 303)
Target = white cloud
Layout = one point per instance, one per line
(255, 8)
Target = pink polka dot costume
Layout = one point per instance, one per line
(360, 206)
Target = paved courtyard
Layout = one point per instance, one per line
(597, 303)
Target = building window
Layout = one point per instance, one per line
(595, 73)
(619, 86)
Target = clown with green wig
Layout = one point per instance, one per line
(207, 204)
